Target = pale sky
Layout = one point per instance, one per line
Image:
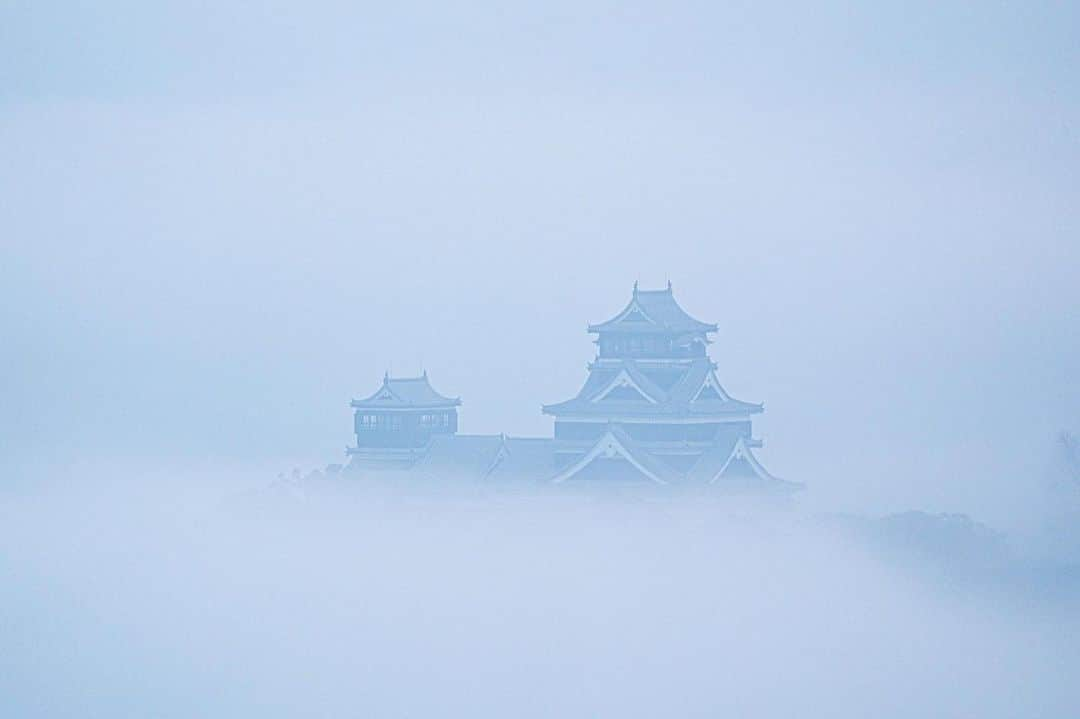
(218, 223)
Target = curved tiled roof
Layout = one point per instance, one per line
(525, 458)
(616, 441)
(460, 456)
(406, 393)
(483, 456)
(678, 400)
(653, 311)
(733, 463)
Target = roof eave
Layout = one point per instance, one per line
(592, 410)
(369, 404)
(610, 326)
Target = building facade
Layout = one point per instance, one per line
(651, 409)
(397, 423)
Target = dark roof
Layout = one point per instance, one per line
(498, 458)
(525, 458)
(480, 456)
(634, 455)
(653, 311)
(460, 456)
(712, 461)
(734, 465)
(406, 393)
(677, 400)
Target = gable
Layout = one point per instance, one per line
(625, 393)
(633, 314)
(738, 468)
(623, 387)
(708, 392)
(711, 390)
(612, 453)
(610, 469)
(741, 464)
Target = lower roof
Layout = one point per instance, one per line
(498, 457)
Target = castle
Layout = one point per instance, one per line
(651, 410)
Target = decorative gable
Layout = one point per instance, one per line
(708, 392)
(634, 315)
(711, 390)
(741, 464)
(623, 387)
(610, 447)
(626, 393)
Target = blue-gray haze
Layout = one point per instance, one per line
(221, 221)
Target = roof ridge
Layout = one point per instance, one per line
(409, 392)
(662, 309)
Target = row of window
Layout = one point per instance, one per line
(373, 422)
(435, 420)
(638, 344)
(657, 432)
(648, 345)
(392, 422)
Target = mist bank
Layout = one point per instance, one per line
(183, 598)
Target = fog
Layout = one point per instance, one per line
(219, 223)
(456, 602)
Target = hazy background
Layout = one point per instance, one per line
(121, 601)
(220, 221)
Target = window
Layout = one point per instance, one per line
(367, 422)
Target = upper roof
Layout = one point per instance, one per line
(653, 311)
(406, 393)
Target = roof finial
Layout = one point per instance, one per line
(635, 287)
(669, 285)
(424, 373)
(386, 376)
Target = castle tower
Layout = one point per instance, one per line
(395, 424)
(652, 406)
